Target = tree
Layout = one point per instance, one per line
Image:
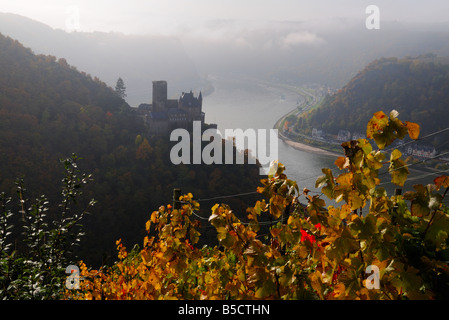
(120, 88)
(397, 248)
(144, 150)
(37, 268)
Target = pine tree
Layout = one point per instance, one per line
(120, 88)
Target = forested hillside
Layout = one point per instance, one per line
(49, 110)
(138, 59)
(418, 88)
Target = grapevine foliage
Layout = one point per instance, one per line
(312, 252)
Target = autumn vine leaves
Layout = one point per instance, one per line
(311, 251)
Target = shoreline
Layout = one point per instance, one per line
(302, 146)
(307, 148)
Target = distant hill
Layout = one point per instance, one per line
(418, 88)
(327, 52)
(138, 59)
(49, 110)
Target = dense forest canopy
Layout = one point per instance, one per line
(418, 88)
(49, 110)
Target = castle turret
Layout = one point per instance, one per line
(159, 95)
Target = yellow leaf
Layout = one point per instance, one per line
(251, 234)
(377, 123)
(442, 181)
(146, 256)
(341, 162)
(154, 281)
(275, 232)
(396, 154)
(345, 179)
(413, 129)
(345, 211)
(355, 200)
(339, 291)
(334, 212)
(215, 207)
(154, 217)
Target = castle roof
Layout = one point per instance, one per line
(188, 99)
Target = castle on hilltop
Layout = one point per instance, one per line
(164, 115)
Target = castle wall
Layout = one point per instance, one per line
(172, 103)
(158, 127)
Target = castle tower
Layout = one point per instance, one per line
(159, 95)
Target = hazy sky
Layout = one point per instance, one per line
(167, 16)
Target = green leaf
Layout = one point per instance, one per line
(228, 240)
(365, 146)
(326, 182)
(266, 290)
(439, 229)
(420, 200)
(365, 227)
(398, 168)
(382, 253)
(342, 246)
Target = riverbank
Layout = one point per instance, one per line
(307, 148)
(299, 145)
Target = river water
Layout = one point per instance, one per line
(241, 103)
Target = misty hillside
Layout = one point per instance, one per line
(418, 88)
(329, 53)
(49, 110)
(137, 59)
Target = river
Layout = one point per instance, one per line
(241, 102)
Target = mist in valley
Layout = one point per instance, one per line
(327, 47)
